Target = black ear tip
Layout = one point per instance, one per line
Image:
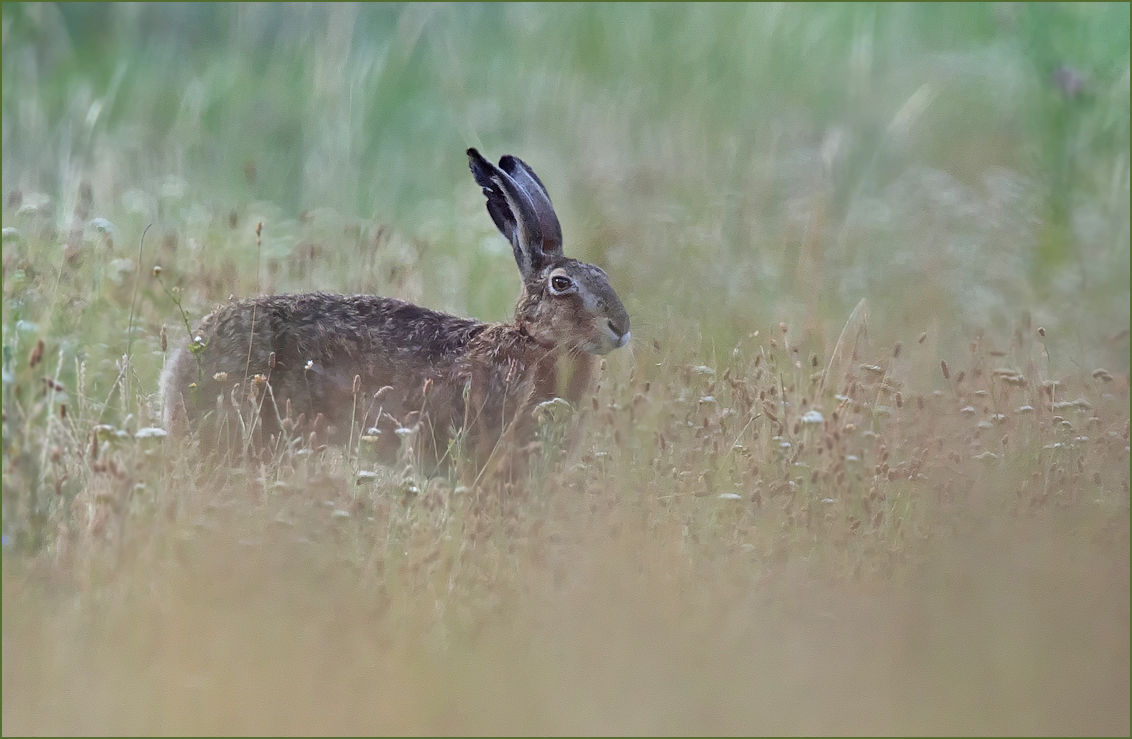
(481, 168)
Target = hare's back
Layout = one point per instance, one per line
(313, 347)
(333, 330)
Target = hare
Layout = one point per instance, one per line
(346, 365)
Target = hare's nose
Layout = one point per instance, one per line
(620, 333)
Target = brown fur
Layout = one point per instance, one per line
(339, 365)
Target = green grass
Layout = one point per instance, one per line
(913, 564)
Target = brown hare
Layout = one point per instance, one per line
(349, 365)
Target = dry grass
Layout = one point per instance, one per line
(709, 559)
(780, 515)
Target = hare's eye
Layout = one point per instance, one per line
(560, 284)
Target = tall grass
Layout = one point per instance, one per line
(782, 515)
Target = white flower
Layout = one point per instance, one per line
(152, 432)
(813, 417)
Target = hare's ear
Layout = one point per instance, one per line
(514, 214)
(483, 171)
(540, 199)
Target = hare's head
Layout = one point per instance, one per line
(564, 302)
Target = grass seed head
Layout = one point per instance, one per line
(36, 355)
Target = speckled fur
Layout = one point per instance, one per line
(331, 360)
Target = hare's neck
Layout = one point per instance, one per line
(522, 336)
(564, 374)
(554, 372)
(581, 377)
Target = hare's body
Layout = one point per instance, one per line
(346, 364)
(414, 369)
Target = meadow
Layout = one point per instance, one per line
(864, 467)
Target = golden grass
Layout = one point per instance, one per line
(931, 556)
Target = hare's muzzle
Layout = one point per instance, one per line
(616, 333)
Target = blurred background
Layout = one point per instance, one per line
(731, 166)
(947, 555)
